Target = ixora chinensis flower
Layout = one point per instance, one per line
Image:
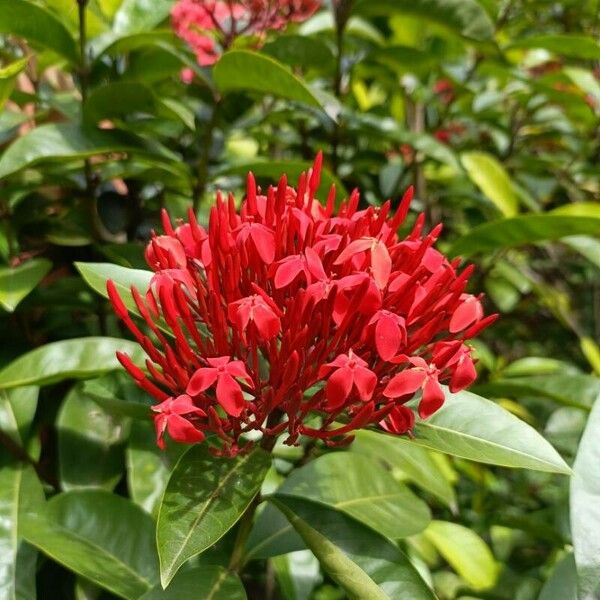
(289, 315)
(211, 26)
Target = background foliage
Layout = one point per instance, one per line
(490, 108)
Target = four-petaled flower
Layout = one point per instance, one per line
(171, 415)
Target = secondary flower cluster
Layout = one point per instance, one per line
(210, 26)
(289, 315)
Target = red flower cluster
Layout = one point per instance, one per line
(288, 315)
(210, 26)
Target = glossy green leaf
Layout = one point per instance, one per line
(526, 229)
(38, 26)
(149, 467)
(88, 435)
(572, 45)
(585, 508)
(17, 282)
(298, 573)
(272, 170)
(8, 77)
(362, 562)
(586, 246)
(562, 583)
(17, 409)
(204, 498)
(303, 51)
(241, 70)
(414, 462)
(477, 429)
(20, 491)
(80, 358)
(202, 583)
(141, 15)
(463, 17)
(100, 536)
(362, 488)
(69, 141)
(118, 395)
(468, 554)
(488, 174)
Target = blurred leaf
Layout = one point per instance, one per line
(17, 282)
(202, 583)
(527, 229)
(475, 428)
(301, 51)
(298, 573)
(416, 463)
(204, 498)
(249, 71)
(468, 554)
(89, 436)
(17, 409)
(585, 508)
(20, 491)
(80, 358)
(38, 26)
(273, 169)
(565, 44)
(119, 395)
(586, 246)
(361, 488)
(8, 77)
(363, 563)
(463, 17)
(100, 536)
(488, 174)
(591, 351)
(585, 80)
(70, 141)
(149, 467)
(141, 15)
(562, 583)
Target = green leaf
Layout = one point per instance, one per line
(119, 395)
(241, 70)
(565, 44)
(488, 174)
(79, 358)
(100, 536)
(361, 488)
(69, 141)
(20, 491)
(298, 573)
(202, 583)
(204, 498)
(17, 409)
(362, 562)
(476, 429)
(468, 554)
(272, 169)
(8, 77)
(562, 583)
(462, 17)
(38, 26)
(87, 435)
(415, 463)
(585, 508)
(148, 467)
(527, 229)
(586, 246)
(301, 51)
(141, 15)
(17, 282)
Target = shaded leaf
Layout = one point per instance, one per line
(298, 573)
(204, 498)
(17, 282)
(562, 583)
(563, 44)
(8, 77)
(17, 409)
(100, 536)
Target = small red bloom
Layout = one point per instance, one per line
(288, 308)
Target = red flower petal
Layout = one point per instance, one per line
(287, 271)
(407, 382)
(381, 264)
(387, 337)
(365, 381)
(201, 380)
(264, 242)
(181, 430)
(338, 388)
(433, 398)
(467, 313)
(400, 420)
(267, 322)
(464, 374)
(229, 395)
